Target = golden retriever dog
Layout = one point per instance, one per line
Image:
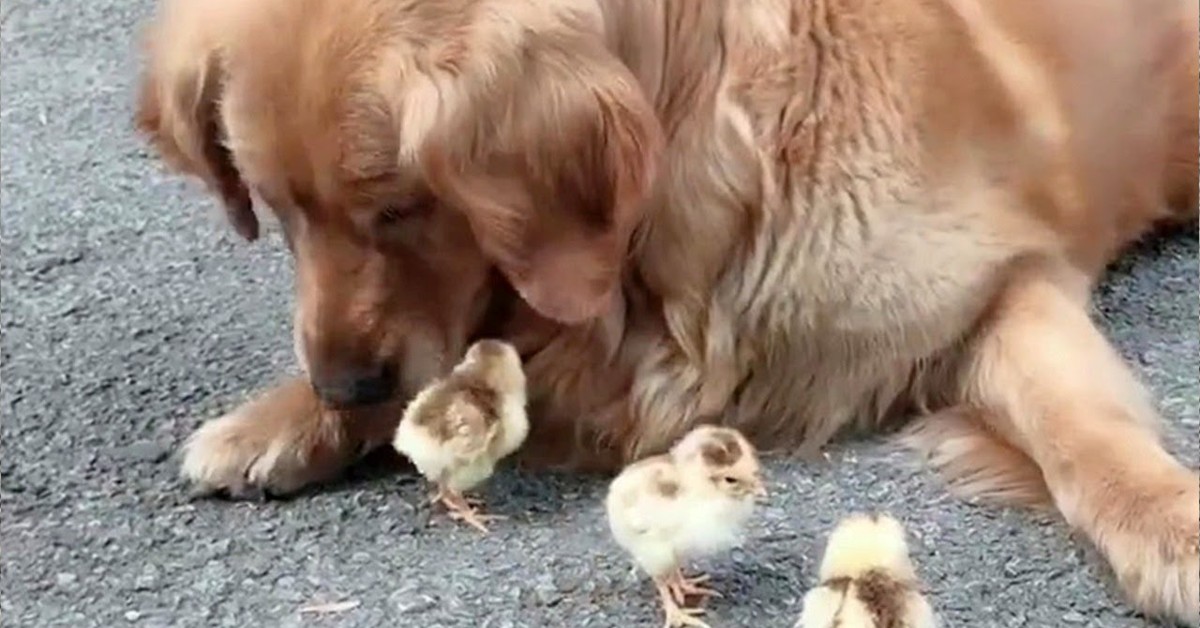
(796, 217)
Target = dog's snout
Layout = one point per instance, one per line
(356, 386)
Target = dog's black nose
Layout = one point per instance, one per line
(355, 387)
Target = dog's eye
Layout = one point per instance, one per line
(404, 210)
(393, 214)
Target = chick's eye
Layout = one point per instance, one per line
(730, 480)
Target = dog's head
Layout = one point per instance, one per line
(408, 150)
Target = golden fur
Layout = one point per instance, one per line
(794, 217)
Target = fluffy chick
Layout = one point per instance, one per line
(459, 427)
(693, 501)
(867, 580)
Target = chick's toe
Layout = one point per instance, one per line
(682, 587)
(677, 616)
(474, 518)
(459, 508)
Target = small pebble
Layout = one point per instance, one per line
(145, 451)
(546, 591)
(148, 578)
(567, 579)
(1073, 617)
(220, 548)
(65, 579)
(407, 601)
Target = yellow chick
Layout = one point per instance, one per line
(693, 501)
(459, 427)
(867, 580)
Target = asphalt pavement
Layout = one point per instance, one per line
(130, 313)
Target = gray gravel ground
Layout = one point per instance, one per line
(131, 313)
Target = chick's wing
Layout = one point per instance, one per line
(651, 504)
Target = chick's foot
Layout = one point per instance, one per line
(677, 616)
(682, 587)
(459, 508)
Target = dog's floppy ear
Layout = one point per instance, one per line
(551, 166)
(178, 98)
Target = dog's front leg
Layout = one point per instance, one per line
(279, 442)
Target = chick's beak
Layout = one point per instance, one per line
(760, 491)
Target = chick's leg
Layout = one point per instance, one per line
(676, 615)
(460, 508)
(682, 586)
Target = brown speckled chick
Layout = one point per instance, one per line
(867, 580)
(693, 501)
(460, 426)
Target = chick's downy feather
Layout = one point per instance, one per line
(645, 515)
(695, 500)
(458, 428)
(675, 506)
(867, 580)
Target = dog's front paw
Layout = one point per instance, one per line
(275, 444)
(1153, 543)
